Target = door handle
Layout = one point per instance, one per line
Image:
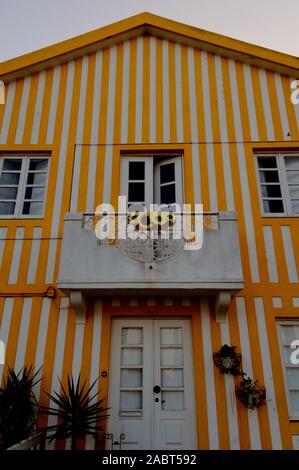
(157, 389)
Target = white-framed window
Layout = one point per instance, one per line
(23, 185)
(288, 331)
(152, 179)
(278, 183)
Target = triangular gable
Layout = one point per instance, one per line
(147, 23)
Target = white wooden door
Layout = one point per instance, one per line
(151, 388)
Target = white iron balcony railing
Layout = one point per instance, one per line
(152, 236)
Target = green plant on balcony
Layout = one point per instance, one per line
(78, 412)
(18, 406)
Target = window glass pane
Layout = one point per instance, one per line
(33, 208)
(295, 207)
(7, 208)
(167, 194)
(171, 356)
(294, 192)
(172, 400)
(131, 378)
(294, 399)
(131, 356)
(293, 377)
(271, 190)
(37, 178)
(131, 336)
(136, 170)
(130, 401)
(136, 192)
(292, 163)
(38, 165)
(12, 164)
(172, 377)
(34, 193)
(267, 162)
(171, 335)
(287, 351)
(8, 193)
(273, 206)
(9, 178)
(288, 333)
(167, 173)
(269, 176)
(293, 177)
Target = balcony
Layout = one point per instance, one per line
(122, 267)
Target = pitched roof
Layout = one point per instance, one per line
(148, 23)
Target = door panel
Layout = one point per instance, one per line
(151, 384)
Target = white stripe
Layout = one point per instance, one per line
(51, 261)
(229, 192)
(209, 133)
(34, 253)
(209, 376)
(61, 172)
(178, 93)
(165, 80)
(244, 177)
(76, 178)
(5, 326)
(59, 356)
(270, 253)
(78, 349)
(253, 421)
(94, 132)
(53, 105)
(79, 135)
(282, 107)
(7, 113)
(23, 334)
(3, 232)
(125, 93)
(63, 150)
(296, 106)
(268, 375)
(14, 268)
(41, 342)
(95, 358)
(266, 104)
(23, 110)
(139, 89)
(232, 413)
(110, 127)
(153, 78)
(38, 107)
(250, 102)
(194, 129)
(289, 254)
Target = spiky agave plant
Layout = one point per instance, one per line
(77, 410)
(18, 406)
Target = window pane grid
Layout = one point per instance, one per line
(19, 174)
(289, 332)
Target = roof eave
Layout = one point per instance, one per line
(151, 24)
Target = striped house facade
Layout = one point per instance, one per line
(147, 85)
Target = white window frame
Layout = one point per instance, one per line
(293, 415)
(22, 184)
(151, 172)
(288, 212)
